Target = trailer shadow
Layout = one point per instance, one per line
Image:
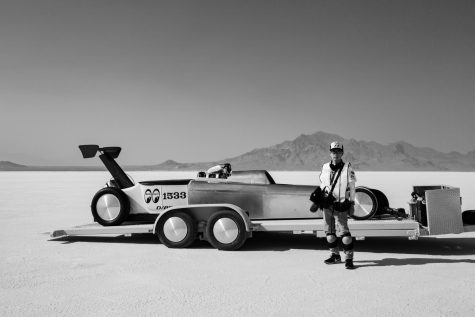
(270, 241)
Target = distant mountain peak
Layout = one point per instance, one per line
(7, 165)
(170, 162)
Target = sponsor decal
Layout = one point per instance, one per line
(156, 195)
(163, 207)
(159, 198)
(148, 196)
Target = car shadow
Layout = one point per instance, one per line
(280, 241)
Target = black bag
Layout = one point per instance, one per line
(317, 196)
(342, 206)
(321, 199)
(328, 200)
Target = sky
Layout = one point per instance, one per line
(206, 80)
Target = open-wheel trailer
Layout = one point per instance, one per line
(439, 214)
(227, 211)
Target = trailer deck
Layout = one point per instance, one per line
(359, 228)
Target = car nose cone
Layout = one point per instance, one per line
(108, 207)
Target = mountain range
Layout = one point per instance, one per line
(309, 152)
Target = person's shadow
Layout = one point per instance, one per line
(409, 261)
(440, 245)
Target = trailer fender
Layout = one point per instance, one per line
(202, 212)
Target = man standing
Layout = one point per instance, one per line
(338, 179)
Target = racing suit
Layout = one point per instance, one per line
(344, 190)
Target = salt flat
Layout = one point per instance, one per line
(274, 274)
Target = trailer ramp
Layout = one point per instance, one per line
(93, 229)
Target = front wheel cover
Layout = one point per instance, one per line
(226, 230)
(110, 206)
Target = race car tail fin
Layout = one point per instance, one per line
(90, 150)
(108, 156)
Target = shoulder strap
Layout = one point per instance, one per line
(336, 179)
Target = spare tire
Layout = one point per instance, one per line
(366, 204)
(468, 217)
(383, 202)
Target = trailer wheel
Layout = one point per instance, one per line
(110, 206)
(226, 230)
(366, 204)
(468, 217)
(176, 230)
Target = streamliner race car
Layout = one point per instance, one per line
(225, 209)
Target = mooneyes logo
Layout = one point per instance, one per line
(149, 196)
(156, 195)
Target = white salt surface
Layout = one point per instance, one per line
(274, 274)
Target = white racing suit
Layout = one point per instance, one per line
(344, 189)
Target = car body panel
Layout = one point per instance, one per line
(152, 198)
(262, 201)
(253, 191)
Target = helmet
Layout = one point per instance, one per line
(227, 166)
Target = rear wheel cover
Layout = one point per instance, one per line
(176, 229)
(226, 230)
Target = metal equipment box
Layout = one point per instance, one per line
(440, 209)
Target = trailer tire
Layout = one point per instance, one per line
(176, 230)
(366, 204)
(226, 230)
(110, 206)
(468, 217)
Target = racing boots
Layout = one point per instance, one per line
(349, 264)
(333, 259)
